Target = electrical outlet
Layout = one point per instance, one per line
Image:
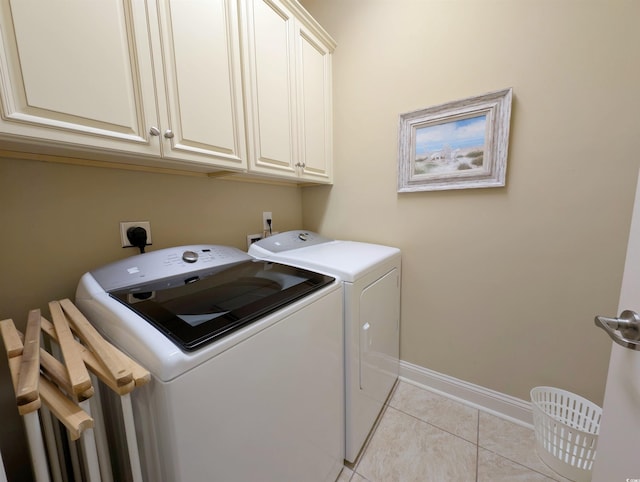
(265, 226)
(124, 226)
(252, 238)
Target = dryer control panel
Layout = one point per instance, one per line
(287, 241)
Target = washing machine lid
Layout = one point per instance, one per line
(194, 310)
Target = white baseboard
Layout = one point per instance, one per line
(499, 404)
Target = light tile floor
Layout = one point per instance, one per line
(425, 437)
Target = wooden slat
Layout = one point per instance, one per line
(71, 415)
(27, 389)
(92, 363)
(141, 375)
(89, 335)
(12, 342)
(9, 332)
(14, 368)
(78, 374)
(57, 372)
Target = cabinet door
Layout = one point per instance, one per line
(270, 73)
(77, 72)
(201, 105)
(315, 105)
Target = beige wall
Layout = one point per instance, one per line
(500, 286)
(59, 221)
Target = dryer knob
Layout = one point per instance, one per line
(190, 256)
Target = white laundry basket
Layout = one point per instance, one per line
(566, 427)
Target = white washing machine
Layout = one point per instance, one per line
(246, 358)
(370, 274)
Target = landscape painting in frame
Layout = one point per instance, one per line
(450, 147)
(458, 145)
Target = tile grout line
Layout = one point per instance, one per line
(510, 459)
(479, 413)
(530, 469)
(415, 417)
(386, 406)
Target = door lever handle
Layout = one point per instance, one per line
(625, 330)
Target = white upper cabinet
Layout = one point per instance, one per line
(314, 106)
(169, 83)
(77, 72)
(202, 113)
(119, 75)
(287, 62)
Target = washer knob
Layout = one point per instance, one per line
(190, 256)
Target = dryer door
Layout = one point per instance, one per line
(379, 336)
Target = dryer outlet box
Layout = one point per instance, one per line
(252, 238)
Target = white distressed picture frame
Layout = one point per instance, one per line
(458, 145)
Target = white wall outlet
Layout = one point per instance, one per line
(132, 224)
(252, 238)
(265, 225)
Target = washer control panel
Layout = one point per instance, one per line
(165, 263)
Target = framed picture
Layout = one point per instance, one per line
(457, 145)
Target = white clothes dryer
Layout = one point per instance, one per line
(370, 274)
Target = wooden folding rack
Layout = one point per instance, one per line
(66, 387)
